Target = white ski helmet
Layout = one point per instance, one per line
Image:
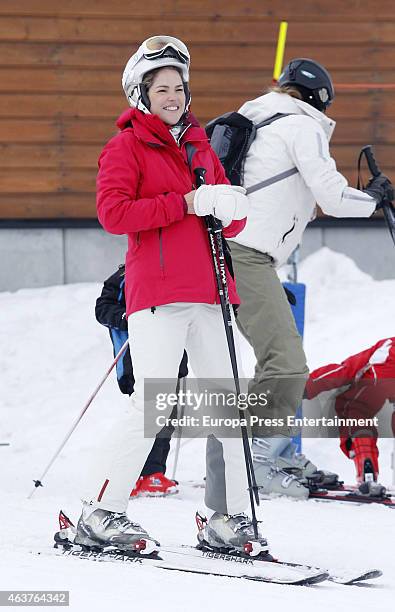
(155, 52)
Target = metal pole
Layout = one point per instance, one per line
(38, 482)
(214, 228)
(180, 414)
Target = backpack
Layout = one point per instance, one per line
(231, 136)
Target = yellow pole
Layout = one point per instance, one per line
(278, 62)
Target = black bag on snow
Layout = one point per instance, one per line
(231, 136)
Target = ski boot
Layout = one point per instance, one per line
(307, 473)
(271, 480)
(154, 485)
(281, 452)
(365, 455)
(322, 479)
(297, 464)
(231, 535)
(371, 489)
(369, 485)
(99, 529)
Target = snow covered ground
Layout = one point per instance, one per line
(52, 355)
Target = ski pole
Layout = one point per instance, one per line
(178, 441)
(214, 228)
(38, 482)
(388, 209)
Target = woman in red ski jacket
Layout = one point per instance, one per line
(144, 174)
(146, 189)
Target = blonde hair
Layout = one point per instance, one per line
(286, 89)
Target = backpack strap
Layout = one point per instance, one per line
(273, 179)
(190, 151)
(277, 177)
(272, 119)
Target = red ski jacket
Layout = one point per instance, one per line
(359, 386)
(143, 177)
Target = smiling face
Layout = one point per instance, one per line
(167, 96)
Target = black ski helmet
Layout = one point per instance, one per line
(311, 79)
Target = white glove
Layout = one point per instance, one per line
(225, 202)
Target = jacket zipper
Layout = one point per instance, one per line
(161, 263)
(182, 133)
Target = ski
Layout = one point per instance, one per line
(350, 495)
(354, 577)
(340, 492)
(355, 488)
(190, 560)
(339, 485)
(203, 559)
(346, 577)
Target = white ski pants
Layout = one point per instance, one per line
(157, 342)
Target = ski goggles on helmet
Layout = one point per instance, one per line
(163, 46)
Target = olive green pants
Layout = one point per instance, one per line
(266, 321)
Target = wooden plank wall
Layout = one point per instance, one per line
(61, 62)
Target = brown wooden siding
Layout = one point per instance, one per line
(61, 63)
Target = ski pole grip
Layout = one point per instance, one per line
(373, 167)
(200, 179)
(388, 209)
(200, 176)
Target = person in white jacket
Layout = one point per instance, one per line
(291, 157)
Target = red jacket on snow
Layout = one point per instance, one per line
(143, 177)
